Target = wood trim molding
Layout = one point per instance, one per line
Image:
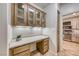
(13, 14)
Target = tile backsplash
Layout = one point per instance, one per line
(26, 31)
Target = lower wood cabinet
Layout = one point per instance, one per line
(26, 14)
(25, 53)
(43, 46)
(67, 37)
(75, 37)
(23, 50)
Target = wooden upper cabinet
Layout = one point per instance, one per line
(19, 14)
(43, 20)
(24, 14)
(31, 15)
(38, 18)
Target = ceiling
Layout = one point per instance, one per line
(42, 5)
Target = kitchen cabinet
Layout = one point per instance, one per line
(19, 15)
(77, 37)
(31, 16)
(75, 32)
(67, 37)
(25, 53)
(74, 23)
(43, 46)
(24, 14)
(38, 18)
(43, 19)
(74, 36)
(77, 23)
(23, 50)
(71, 28)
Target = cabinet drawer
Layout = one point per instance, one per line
(67, 37)
(74, 37)
(25, 53)
(45, 42)
(45, 49)
(20, 49)
(46, 46)
(10, 52)
(43, 46)
(77, 38)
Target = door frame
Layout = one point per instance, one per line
(58, 31)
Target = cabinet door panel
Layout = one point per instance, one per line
(43, 20)
(31, 16)
(74, 23)
(43, 48)
(77, 36)
(26, 53)
(19, 14)
(77, 23)
(67, 37)
(20, 49)
(74, 36)
(38, 18)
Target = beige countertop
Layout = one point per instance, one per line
(26, 40)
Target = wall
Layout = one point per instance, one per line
(3, 29)
(69, 8)
(51, 16)
(9, 26)
(26, 31)
(51, 23)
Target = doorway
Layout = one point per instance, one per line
(70, 44)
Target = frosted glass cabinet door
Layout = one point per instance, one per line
(19, 14)
(38, 18)
(31, 15)
(43, 20)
